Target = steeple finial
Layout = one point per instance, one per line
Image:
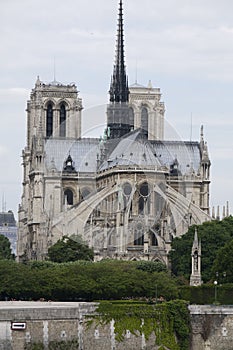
(119, 91)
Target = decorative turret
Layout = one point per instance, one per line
(205, 160)
(204, 171)
(69, 165)
(202, 139)
(119, 121)
(195, 279)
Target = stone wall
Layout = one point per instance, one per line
(212, 327)
(51, 325)
(54, 326)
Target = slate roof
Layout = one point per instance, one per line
(7, 219)
(83, 153)
(187, 153)
(132, 149)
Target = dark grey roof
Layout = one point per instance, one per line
(186, 153)
(132, 150)
(83, 152)
(7, 219)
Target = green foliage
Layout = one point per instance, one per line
(224, 264)
(82, 280)
(5, 249)
(214, 235)
(205, 294)
(70, 249)
(169, 321)
(151, 266)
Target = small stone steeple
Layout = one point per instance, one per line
(195, 278)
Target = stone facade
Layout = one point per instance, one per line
(148, 110)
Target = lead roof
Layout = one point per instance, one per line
(90, 155)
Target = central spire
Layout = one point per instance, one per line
(119, 91)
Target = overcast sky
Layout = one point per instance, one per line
(185, 47)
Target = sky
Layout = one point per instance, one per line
(185, 47)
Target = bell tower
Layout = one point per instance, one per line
(54, 110)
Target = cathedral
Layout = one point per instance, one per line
(127, 194)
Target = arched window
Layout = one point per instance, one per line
(144, 120)
(144, 189)
(153, 240)
(144, 199)
(49, 120)
(139, 234)
(68, 194)
(63, 120)
(138, 238)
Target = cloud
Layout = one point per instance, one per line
(3, 150)
(175, 37)
(10, 93)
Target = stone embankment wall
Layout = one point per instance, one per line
(54, 326)
(212, 327)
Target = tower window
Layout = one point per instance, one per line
(49, 120)
(62, 120)
(144, 120)
(68, 194)
(131, 117)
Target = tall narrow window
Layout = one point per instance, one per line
(62, 120)
(138, 238)
(144, 120)
(49, 120)
(139, 234)
(144, 199)
(68, 194)
(153, 240)
(131, 118)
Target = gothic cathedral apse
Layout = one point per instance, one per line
(127, 194)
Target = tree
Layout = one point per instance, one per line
(213, 235)
(151, 266)
(70, 249)
(223, 264)
(5, 249)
